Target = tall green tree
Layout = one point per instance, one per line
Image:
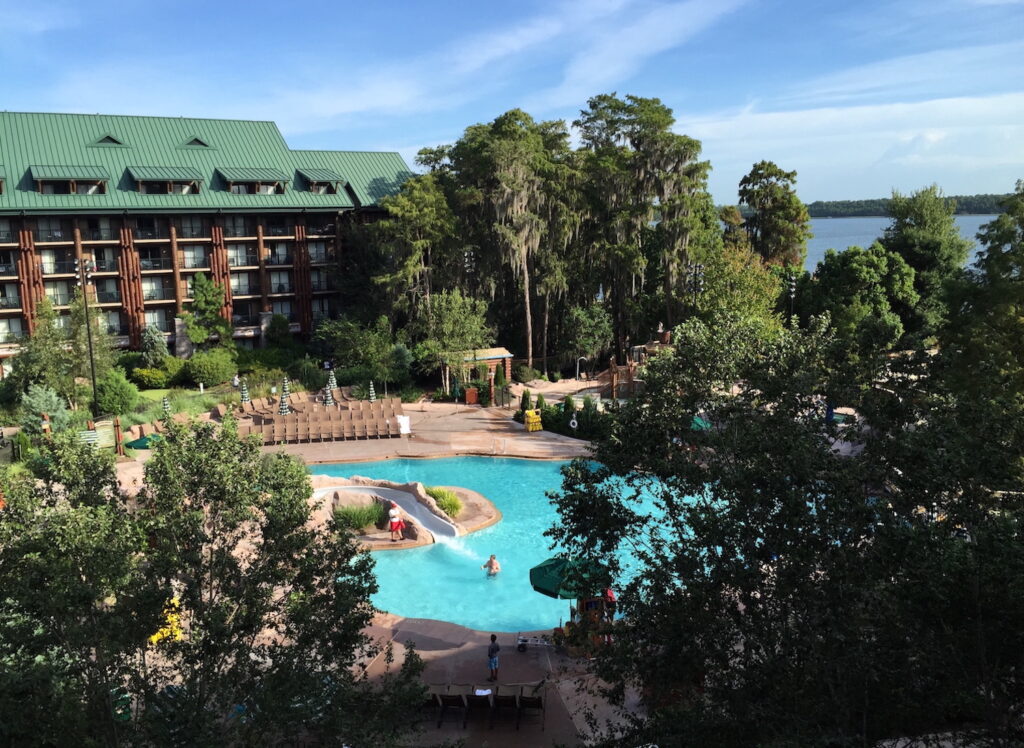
(734, 235)
(204, 324)
(459, 325)
(778, 225)
(272, 605)
(762, 571)
(417, 235)
(154, 347)
(861, 291)
(924, 233)
(43, 357)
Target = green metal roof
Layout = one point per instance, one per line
(164, 174)
(250, 174)
(68, 172)
(3, 174)
(159, 142)
(320, 175)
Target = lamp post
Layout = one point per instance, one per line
(792, 293)
(84, 270)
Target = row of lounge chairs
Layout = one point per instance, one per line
(526, 698)
(310, 430)
(328, 414)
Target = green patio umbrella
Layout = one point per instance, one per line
(167, 407)
(332, 383)
(559, 577)
(245, 392)
(285, 394)
(373, 395)
(699, 424)
(328, 395)
(144, 442)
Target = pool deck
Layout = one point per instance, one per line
(453, 653)
(448, 430)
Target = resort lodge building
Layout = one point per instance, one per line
(146, 203)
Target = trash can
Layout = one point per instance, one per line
(472, 396)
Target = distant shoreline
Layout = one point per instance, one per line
(875, 215)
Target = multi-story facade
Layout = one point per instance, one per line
(152, 201)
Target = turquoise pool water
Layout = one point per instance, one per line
(445, 582)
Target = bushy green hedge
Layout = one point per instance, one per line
(310, 372)
(115, 394)
(211, 367)
(446, 499)
(150, 379)
(523, 373)
(358, 517)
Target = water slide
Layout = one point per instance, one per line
(436, 526)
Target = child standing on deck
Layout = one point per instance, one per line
(492, 657)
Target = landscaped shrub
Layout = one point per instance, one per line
(525, 403)
(410, 394)
(523, 373)
(150, 379)
(446, 500)
(210, 368)
(541, 402)
(260, 380)
(41, 399)
(351, 375)
(115, 394)
(358, 517)
(129, 361)
(483, 391)
(499, 377)
(175, 368)
(310, 372)
(154, 347)
(279, 331)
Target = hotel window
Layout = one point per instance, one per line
(105, 259)
(98, 229)
(107, 291)
(284, 308)
(10, 298)
(238, 226)
(318, 251)
(279, 254)
(244, 284)
(58, 292)
(153, 289)
(318, 280)
(89, 188)
(50, 230)
(240, 188)
(184, 188)
(194, 256)
(321, 308)
(115, 325)
(191, 227)
(267, 189)
(8, 263)
(55, 187)
(153, 188)
(158, 318)
(6, 232)
(10, 329)
(240, 255)
(63, 323)
(281, 282)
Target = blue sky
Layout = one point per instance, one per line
(858, 97)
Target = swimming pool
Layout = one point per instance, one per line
(445, 582)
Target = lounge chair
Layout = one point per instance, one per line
(532, 698)
(454, 697)
(475, 702)
(505, 697)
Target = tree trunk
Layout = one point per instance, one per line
(529, 315)
(544, 347)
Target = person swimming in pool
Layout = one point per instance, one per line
(492, 566)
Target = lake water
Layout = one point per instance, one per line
(840, 233)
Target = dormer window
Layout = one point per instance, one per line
(166, 180)
(253, 181)
(322, 181)
(69, 180)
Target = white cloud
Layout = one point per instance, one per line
(614, 54)
(945, 72)
(866, 150)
